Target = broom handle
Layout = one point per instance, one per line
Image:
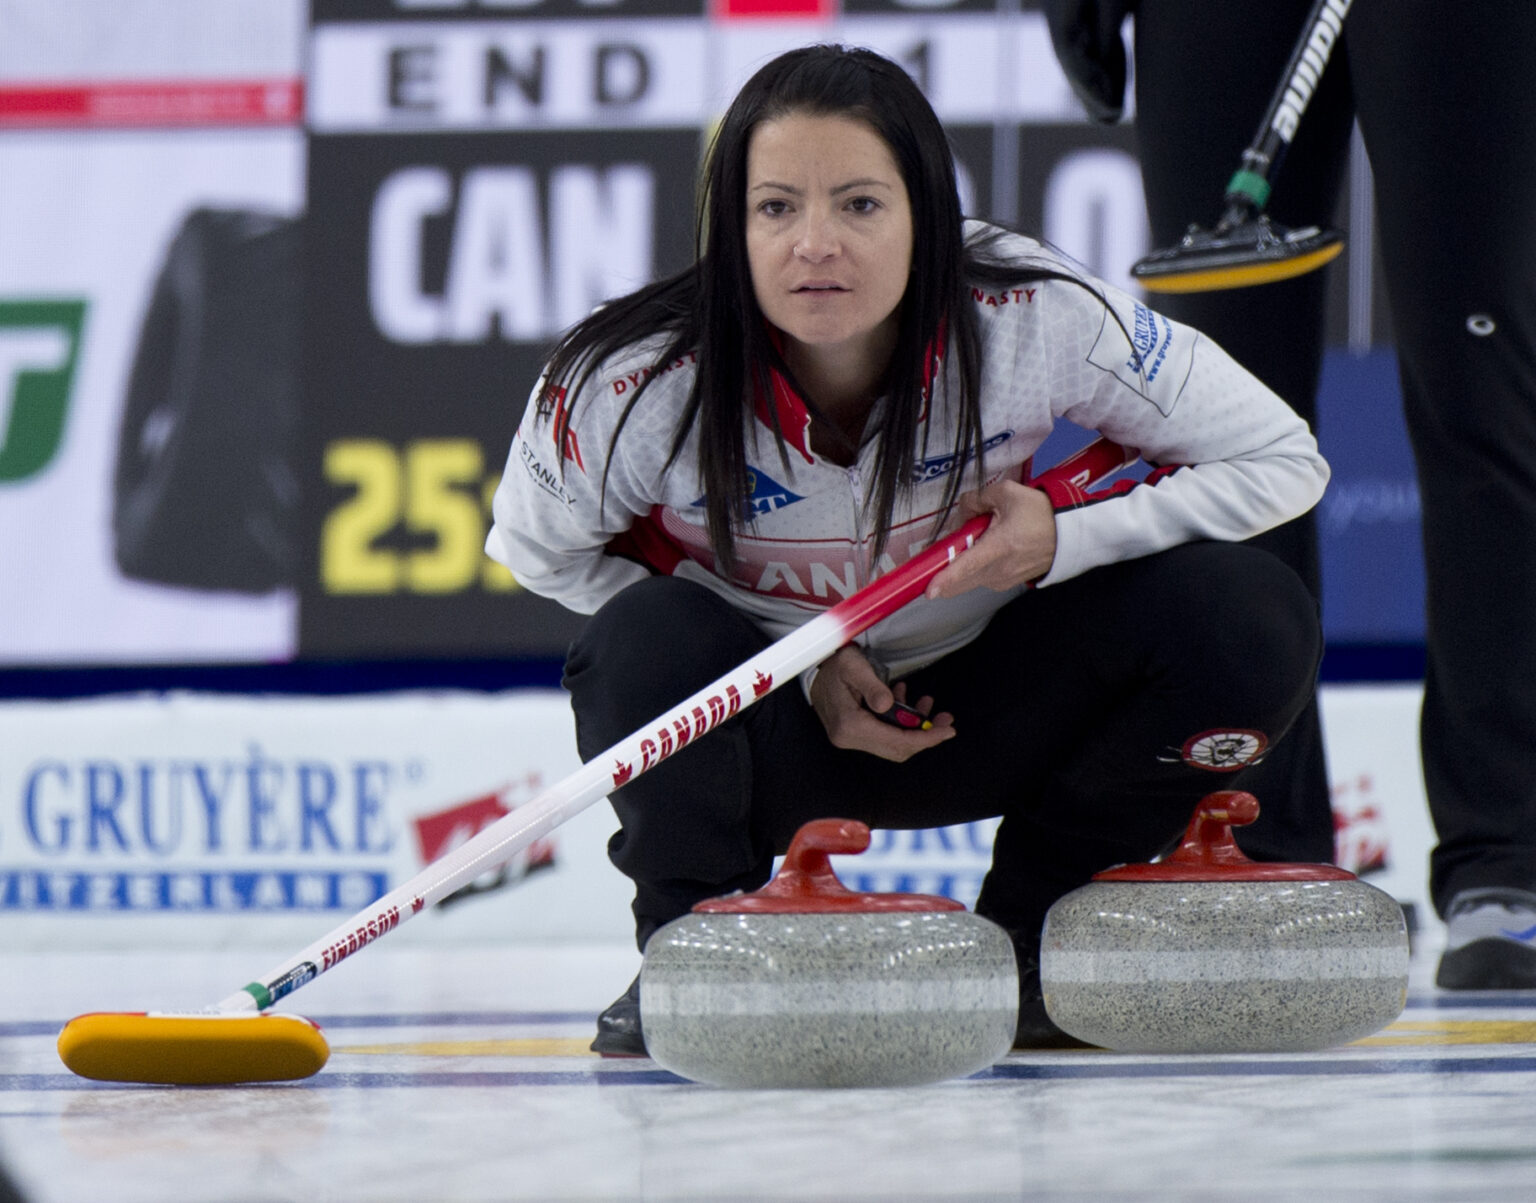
(1249, 188)
(642, 750)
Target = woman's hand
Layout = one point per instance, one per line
(847, 693)
(1018, 547)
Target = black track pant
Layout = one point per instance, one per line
(1447, 109)
(1080, 713)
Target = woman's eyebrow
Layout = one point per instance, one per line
(866, 183)
(794, 191)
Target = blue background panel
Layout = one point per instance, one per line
(1368, 521)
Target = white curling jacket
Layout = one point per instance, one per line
(1231, 459)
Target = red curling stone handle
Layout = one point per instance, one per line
(1209, 853)
(806, 883)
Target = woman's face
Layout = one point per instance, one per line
(829, 231)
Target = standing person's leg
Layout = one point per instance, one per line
(1205, 72)
(1449, 119)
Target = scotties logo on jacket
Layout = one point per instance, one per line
(942, 465)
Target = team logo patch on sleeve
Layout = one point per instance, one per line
(548, 479)
(1155, 362)
(1221, 751)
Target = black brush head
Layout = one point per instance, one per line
(1254, 251)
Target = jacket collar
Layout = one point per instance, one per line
(793, 414)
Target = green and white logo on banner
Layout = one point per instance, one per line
(39, 347)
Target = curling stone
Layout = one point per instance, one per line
(806, 983)
(1207, 951)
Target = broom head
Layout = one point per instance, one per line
(192, 1049)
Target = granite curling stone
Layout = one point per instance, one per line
(1209, 952)
(808, 984)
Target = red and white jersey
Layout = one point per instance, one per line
(1231, 459)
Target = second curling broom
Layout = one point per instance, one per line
(1245, 247)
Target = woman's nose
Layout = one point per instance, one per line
(818, 239)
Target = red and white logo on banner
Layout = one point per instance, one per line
(777, 9)
(1361, 840)
(170, 102)
(444, 830)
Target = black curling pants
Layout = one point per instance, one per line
(1091, 715)
(1447, 110)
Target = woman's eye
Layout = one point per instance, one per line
(863, 204)
(773, 208)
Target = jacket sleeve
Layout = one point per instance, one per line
(1230, 459)
(553, 518)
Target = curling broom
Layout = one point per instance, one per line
(236, 1042)
(1245, 247)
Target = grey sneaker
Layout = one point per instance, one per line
(1490, 941)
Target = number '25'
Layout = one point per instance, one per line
(435, 491)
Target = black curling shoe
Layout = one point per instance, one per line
(618, 1028)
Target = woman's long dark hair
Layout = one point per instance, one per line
(711, 309)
